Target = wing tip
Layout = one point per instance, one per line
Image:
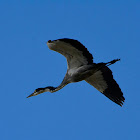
(116, 98)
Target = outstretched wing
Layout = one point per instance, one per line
(103, 81)
(75, 52)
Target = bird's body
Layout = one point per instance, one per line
(81, 67)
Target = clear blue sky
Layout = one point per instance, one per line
(109, 29)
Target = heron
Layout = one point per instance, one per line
(80, 66)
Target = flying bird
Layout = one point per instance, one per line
(80, 66)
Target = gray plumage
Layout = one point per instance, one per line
(81, 67)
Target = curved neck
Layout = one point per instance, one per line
(54, 89)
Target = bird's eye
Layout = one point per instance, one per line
(49, 41)
(38, 89)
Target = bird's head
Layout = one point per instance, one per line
(41, 90)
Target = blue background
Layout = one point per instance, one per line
(109, 29)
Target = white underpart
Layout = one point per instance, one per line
(75, 58)
(97, 81)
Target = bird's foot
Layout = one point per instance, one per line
(112, 62)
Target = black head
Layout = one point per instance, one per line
(41, 90)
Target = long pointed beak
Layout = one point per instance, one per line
(30, 95)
